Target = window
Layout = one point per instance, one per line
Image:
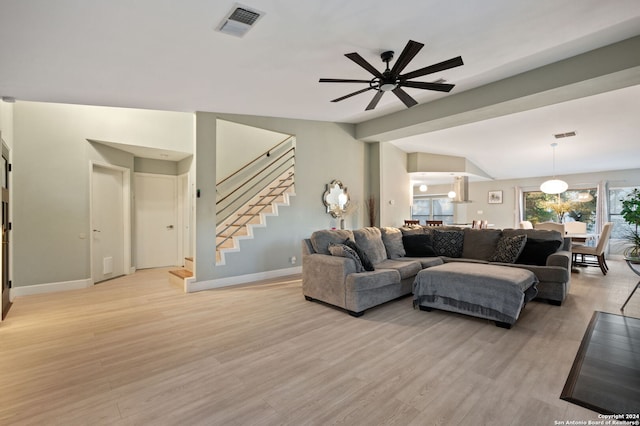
(620, 227)
(571, 205)
(432, 208)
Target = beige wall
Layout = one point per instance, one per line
(51, 178)
(324, 152)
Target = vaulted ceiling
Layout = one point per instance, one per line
(164, 54)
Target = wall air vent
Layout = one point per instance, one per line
(564, 135)
(239, 20)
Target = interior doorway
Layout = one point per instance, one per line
(110, 222)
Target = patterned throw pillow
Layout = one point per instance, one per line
(509, 248)
(448, 243)
(344, 251)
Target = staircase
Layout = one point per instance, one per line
(246, 198)
(253, 214)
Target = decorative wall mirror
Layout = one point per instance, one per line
(336, 198)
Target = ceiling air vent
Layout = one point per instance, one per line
(239, 20)
(564, 135)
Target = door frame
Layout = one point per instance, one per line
(184, 217)
(126, 214)
(6, 191)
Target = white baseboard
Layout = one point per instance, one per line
(49, 288)
(191, 287)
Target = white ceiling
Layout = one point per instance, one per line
(164, 54)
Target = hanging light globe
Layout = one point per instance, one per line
(554, 186)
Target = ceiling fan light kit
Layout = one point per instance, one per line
(390, 80)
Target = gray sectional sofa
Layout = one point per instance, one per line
(333, 275)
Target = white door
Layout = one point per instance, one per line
(156, 220)
(107, 222)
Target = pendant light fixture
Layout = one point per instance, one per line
(554, 186)
(452, 194)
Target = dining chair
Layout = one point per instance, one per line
(411, 222)
(552, 226)
(476, 224)
(597, 251)
(484, 224)
(575, 227)
(525, 224)
(434, 223)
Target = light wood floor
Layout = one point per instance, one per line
(136, 350)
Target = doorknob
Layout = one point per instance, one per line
(96, 230)
(170, 227)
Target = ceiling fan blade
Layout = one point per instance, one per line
(404, 97)
(355, 57)
(374, 101)
(351, 94)
(440, 87)
(341, 80)
(441, 66)
(410, 51)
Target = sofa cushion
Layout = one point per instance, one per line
(418, 245)
(406, 269)
(480, 244)
(370, 241)
(538, 234)
(448, 243)
(392, 240)
(509, 248)
(410, 230)
(366, 262)
(343, 250)
(320, 239)
(536, 251)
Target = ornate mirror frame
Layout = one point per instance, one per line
(336, 198)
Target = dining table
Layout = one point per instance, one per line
(581, 237)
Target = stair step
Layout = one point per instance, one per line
(181, 273)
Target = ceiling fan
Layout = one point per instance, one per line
(392, 80)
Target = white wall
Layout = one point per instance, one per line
(51, 178)
(6, 123)
(395, 186)
(237, 144)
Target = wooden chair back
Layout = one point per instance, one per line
(434, 223)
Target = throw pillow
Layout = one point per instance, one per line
(448, 243)
(392, 239)
(366, 263)
(535, 251)
(345, 251)
(509, 248)
(418, 245)
(370, 240)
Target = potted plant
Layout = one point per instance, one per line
(631, 214)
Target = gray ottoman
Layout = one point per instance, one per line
(497, 293)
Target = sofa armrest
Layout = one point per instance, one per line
(323, 277)
(560, 258)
